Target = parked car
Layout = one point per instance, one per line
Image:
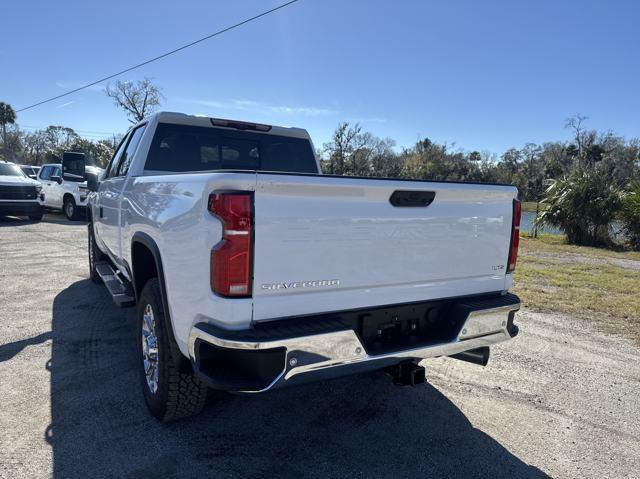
(67, 193)
(30, 170)
(252, 271)
(19, 195)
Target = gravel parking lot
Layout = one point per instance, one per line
(560, 400)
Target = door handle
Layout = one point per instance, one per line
(404, 198)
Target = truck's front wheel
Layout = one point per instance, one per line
(95, 255)
(69, 208)
(169, 393)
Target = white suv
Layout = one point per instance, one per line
(67, 193)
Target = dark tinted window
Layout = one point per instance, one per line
(181, 148)
(45, 174)
(73, 166)
(115, 160)
(127, 156)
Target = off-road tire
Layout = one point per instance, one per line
(179, 394)
(97, 255)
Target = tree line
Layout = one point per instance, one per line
(48, 144)
(137, 99)
(531, 168)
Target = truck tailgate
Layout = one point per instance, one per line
(331, 244)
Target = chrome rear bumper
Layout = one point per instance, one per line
(336, 353)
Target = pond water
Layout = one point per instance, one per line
(528, 217)
(526, 224)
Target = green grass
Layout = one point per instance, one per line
(558, 244)
(555, 277)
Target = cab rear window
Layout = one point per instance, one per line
(184, 148)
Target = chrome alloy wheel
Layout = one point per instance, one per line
(150, 348)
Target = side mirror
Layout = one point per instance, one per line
(57, 179)
(92, 183)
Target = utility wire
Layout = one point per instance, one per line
(183, 47)
(32, 127)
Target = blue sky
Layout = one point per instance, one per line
(486, 75)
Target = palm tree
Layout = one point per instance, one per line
(582, 206)
(630, 213)
(7, 117)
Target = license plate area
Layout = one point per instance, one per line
(409, 326)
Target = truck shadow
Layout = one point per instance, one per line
(49, 217)
(9, 350)
(58, 218)
(14, 221)
(358, 426)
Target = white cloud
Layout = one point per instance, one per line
(74, 85)
(246, 103)
(373, 119)
(63, 105)
(212, 104)
(304, 110)
(261, 107)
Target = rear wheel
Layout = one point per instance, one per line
(169, 392)
(95, 255)
(69, 207)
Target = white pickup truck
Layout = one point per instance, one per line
(66, 192)
(19, 194)
(252, 271)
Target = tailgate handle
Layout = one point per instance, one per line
(412, 198)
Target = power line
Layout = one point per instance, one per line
(32, 127)
(183, 47)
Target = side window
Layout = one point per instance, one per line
(45, 174)
(56, 171)
(127, 156)
(115, 161)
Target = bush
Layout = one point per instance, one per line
(582, 206)
(630, 213)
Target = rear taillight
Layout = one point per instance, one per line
(515, 236)
(231, 258)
